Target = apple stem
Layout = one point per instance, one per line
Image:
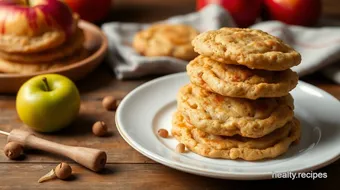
(46, 84)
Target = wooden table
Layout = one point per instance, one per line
(126, 168)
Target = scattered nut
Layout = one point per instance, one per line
(110, 103)
(180, 148)
(62, 171)
(13, 150)
(163, 133)
(99, 129)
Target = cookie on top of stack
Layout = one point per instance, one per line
(238, 104)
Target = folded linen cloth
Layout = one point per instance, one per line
(319, 47)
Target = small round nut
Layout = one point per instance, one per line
(99, 129)
(13, 150)
(110, 103)
(163, 133)
(63, 170)
(180, 148)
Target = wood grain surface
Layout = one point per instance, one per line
(126, 169)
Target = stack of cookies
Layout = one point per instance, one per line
(42, 48)
(238, 104)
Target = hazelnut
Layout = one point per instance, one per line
(13, 150)
(180, 148)
(61, 171)
(99, 129)
(110, 103)
(163, 133)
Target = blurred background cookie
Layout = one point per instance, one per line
(173, 40)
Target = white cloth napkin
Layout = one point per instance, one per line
(319, 47)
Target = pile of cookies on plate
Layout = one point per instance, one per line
(46, 44)
(238, 104)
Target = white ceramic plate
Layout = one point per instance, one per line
(150, 107)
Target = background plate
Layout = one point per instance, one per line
(150, 107)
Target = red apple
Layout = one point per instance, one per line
(295, 12)
(244, 12)
(31, 17)
(90, 10)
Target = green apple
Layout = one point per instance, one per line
(48, 103)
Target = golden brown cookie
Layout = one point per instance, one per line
(249, 47)
(240, 81)
(221, 115)
(24, 44)
(74, 44)
(172, 40)
(28, 68)
(236, 147)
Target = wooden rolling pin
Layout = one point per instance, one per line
(91, 158)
